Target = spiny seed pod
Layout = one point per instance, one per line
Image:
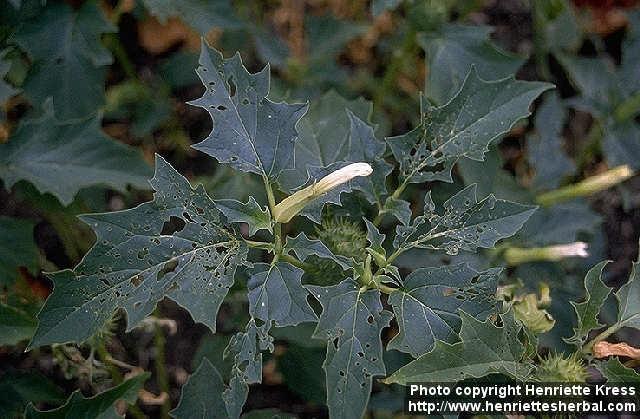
(342, 237)
(557, 368)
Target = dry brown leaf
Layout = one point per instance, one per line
(604, 349)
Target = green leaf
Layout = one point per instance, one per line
(268, 414)
(615, 372)
(351, 322)
(136, 262)
(481, 112)
(68, 58)
(333, 133)
(201, 395)
(620, 144)
(62, 157)
(15, 325)
(276, 295)
(587, 311)
(250, 213)
(17, 248)
(18, 389)
(465, 223)
(453, 50)
(630, 66)
(483, 349)
(202, 15)
(99, 406)
(303, 247)
(251, 133)
(546, 154)
(6, 90)
(628, 297)
(426, 306)
(301, 370)
(246, 350)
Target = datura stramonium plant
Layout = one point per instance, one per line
(185, 245)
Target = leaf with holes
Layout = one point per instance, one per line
(69, 61)
(276, 295)
(466, 223)
(136, 262)
(596, 293)
(481, 112)
(483, 349)
(100, 406)
(250, 213)
(427, 304)
(250, 132)
(351, 322)
(303, 248)
(63, 157)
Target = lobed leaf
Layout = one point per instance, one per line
(202, 15)
(100, 406)
(628, 297)
(481, 112)
(136, 262)
(63, 157)
(303, 248)
(466, 223)
(250, 213)
(483, 349)
(453, 49)
(201, 395)
(427, 305)
(69, 61)
(250, 132)
(587, 311)
(351, 322)
(276, 295)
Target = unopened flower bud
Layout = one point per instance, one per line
(292, 205)
(516, 255)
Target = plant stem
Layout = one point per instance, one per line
(161, 368)
(116, 376)
(588, 347)
(541, 58)
(295, 262)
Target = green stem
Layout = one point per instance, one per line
(161, 368)
(542, 63)
(396, 195)
(295, 262)
(592, 146)
(588, 347)
(116, 376)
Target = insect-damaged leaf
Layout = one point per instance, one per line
(100, 406)
(250, 213)
(466, 223)
(483, 349)
(63, 157)
(587, 311)
(426, 306)
(250, 132)
(68, 58)
(136, 262)
(351, 322)
(464, 127)
(276, 295)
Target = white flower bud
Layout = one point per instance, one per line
(292, 205)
